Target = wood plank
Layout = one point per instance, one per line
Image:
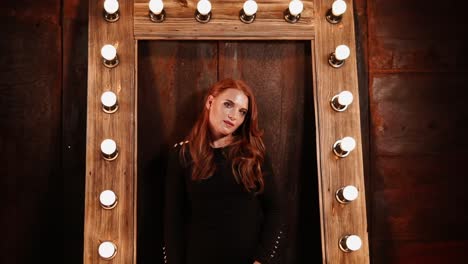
(337, 219)
(224, 24)
(429, 252)
(30, 134)
(279, 74)
(412, 115)
(74, 78)
(171, 87)
(118, 224)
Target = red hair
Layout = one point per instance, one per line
(246, 152)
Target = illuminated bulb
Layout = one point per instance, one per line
(338, 57)
(204, 7)
(111, 6)
(248, 12)
(347, 194)
(108, 199)
(109, 102)
(348, 144)
(107, 250)
(295, 7)
(156, 6)
(109, 53)
(109, 149)
(350, 243)
(156, 13)
(203, 13)
(344, 146)
(338, 7)
(345, 98)
(335, 13)
(342, 52)
(341, 101)
(111, 10)
(250, 7)
(293, 13)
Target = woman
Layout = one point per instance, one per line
(222, 204)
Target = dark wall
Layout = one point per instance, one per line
(417, 90)
(413, 87)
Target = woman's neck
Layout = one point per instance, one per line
(222, 141)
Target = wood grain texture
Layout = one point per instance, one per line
(118, 224)
(224, 24)
(337, 219)
(74, 97)
(30, 132)
(279, 74)
(173, 78)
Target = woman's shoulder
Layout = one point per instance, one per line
(180, 144)
(179, 151)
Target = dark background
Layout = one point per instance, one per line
(413, 87)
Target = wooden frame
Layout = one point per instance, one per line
(118, 225)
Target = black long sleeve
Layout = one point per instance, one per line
(216, 220)
(274, 231)
(175, 207)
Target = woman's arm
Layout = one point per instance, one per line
(174, 210)
(274, 228)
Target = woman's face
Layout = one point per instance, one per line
(227, 112)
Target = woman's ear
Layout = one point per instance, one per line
(209, 101)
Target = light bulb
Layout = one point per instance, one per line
(338, 7)
(350, 193)
(295, 7)
(109, 149)
(108, 52)
(108, 99)
(156, 6)
(350, 243)
(342, 52)
(107, 250)
(347, 144)
(344, 146)
(345, 98)
(204, 7)
(111, 6)
(108, 199)
(250, 7)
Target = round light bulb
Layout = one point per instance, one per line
(345, 98)
(342, 52)
(338, 7)
(108, 52)
(111, 6)
(353, 242)
(350, 193)
(107, 250)
(295, 7)
(347, 144)
(108, 146)
(107, 198)
(204, 7)
(250, 7)
(156, 6)
(108, 99)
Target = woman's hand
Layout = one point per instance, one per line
(256, 262)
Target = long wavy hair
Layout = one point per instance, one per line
(246, 152)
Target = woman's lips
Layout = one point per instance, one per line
(228, 123)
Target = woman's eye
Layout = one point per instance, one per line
(243, 113)
(227, 104)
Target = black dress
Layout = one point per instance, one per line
(216, 221)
